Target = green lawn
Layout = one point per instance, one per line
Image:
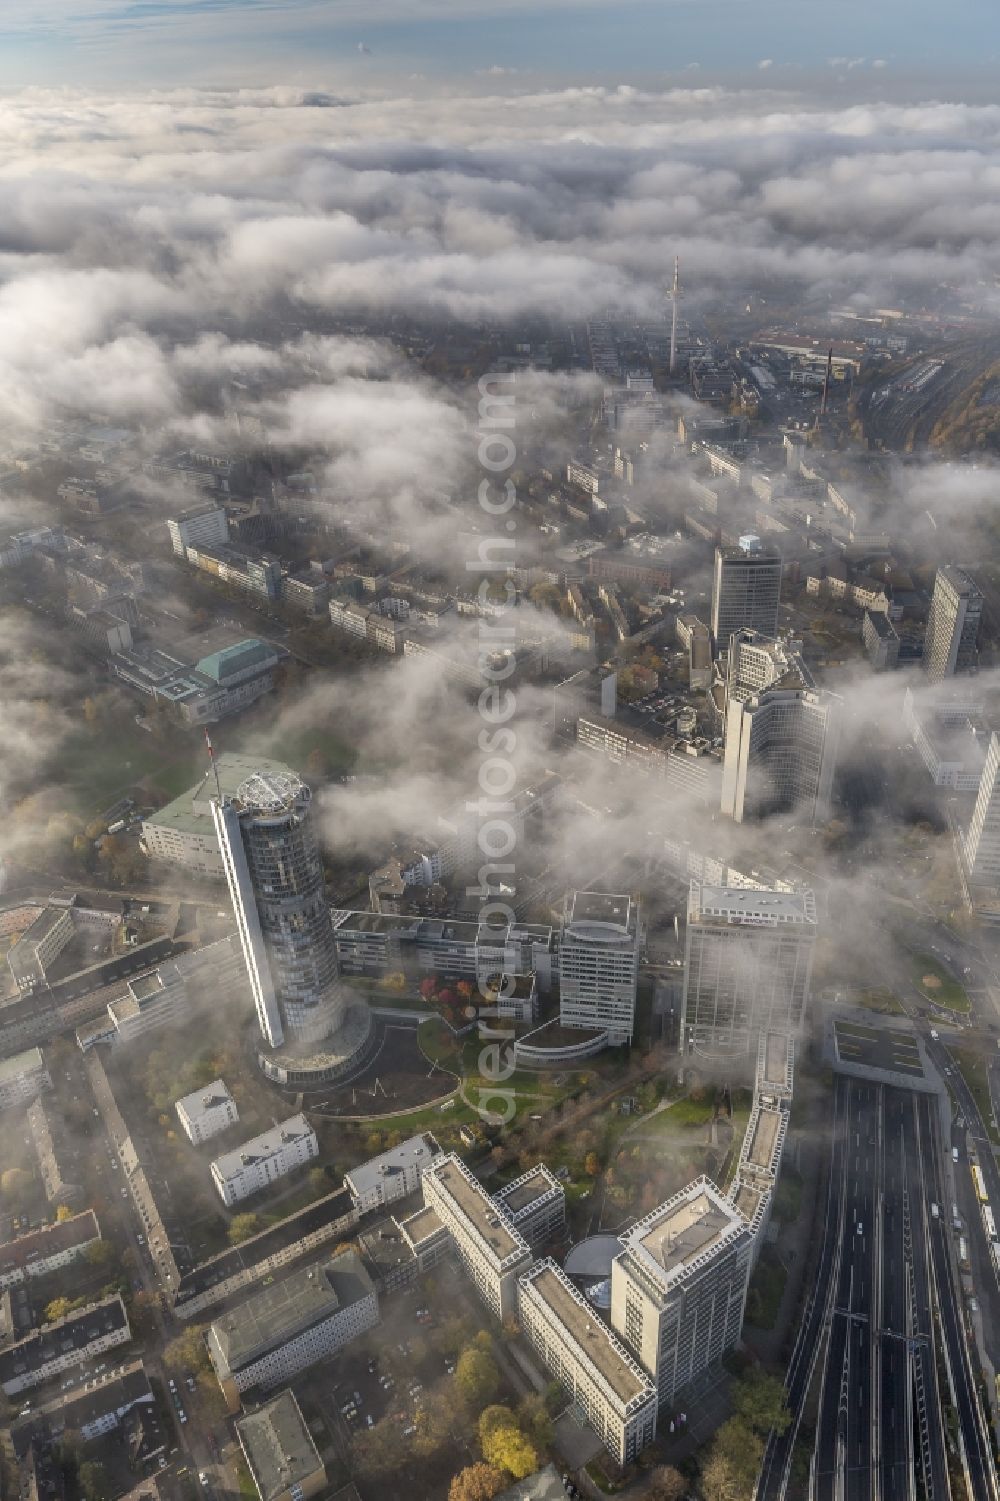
(973, 1071)
(934, 981)
(882, 1001)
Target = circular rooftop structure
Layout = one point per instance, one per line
(593, 1257)
(271, 791)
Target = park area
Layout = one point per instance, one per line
(940, 987)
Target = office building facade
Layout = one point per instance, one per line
(492, 1251)
(596, 1370)
(678, 1288)
(275, 875)
(950, 645)
(747, 966)
(781, 754)
(289, 1326)
(746, 590)
(599, 964)
(982, 841)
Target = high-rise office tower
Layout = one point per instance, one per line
(746, 590)
(679, 1286)
(781, 751)
(953, 625)
(599, 963)
(747, 966)
(275, 877)
(982, 842)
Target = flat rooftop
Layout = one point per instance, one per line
(190, 813)
(689, 1224)
(475, 1205)
(421, 1226)
(278, 1447)
(748, 904)
(584, 1328)
(763, 1139)
(776, 1058)
(748, 1199)
(21, 1063)
(527, 1189)
(275, 1314)
(599, 907)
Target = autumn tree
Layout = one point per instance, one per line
(57, 1309)
(507, 1448)
(534, 1418)
(666, 1483)
(760, 1401)
(493, 1417)
(476, 1376)
(14, 1184)
(592, 1165)
(63, 1213)
(101, 1254)
(732, 1463)
(241, 1227)
(479, 1482)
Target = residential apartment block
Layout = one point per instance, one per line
(47, 1250)
(22, 1077)
(206, 1112)
(283, 1461)
(392, 1175)
(64, 1345)
(269, 1156)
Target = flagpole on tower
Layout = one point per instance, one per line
(211, 757)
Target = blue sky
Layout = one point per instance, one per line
(171, 41)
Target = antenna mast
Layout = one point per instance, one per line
(826, 383)
(675, 295)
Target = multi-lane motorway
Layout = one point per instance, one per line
(884, 1317)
